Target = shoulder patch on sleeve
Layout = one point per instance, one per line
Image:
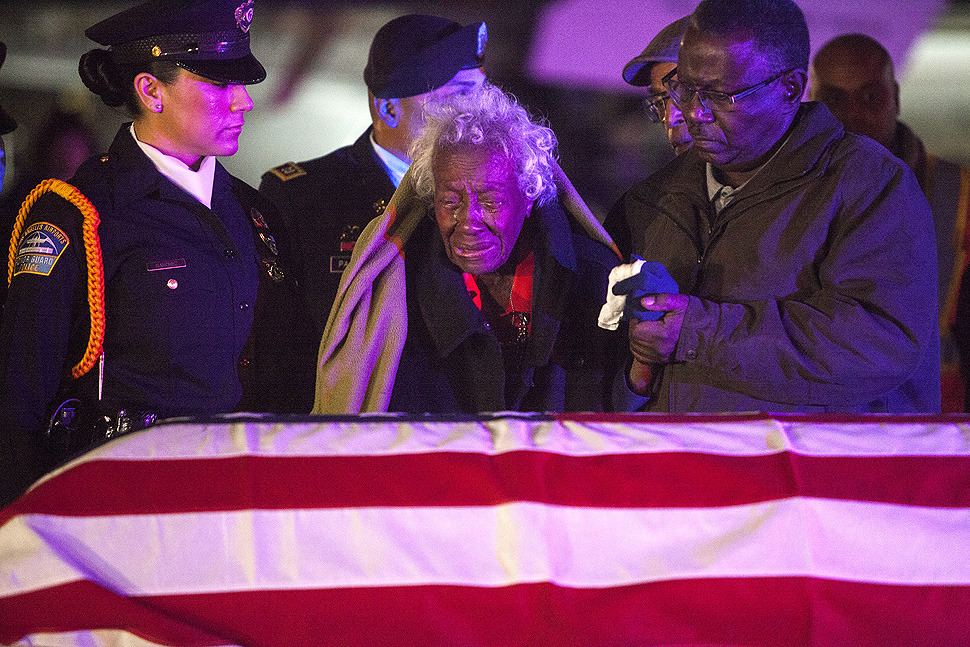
(40, 246)
(288, 171)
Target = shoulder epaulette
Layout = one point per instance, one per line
(288, 171)
(92, 252)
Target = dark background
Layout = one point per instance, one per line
(562, 59)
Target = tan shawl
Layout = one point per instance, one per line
(367, 326)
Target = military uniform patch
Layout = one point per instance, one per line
(40, 246)
(287, 171)
(379, 207)
(348, 238)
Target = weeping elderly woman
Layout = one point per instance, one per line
(503, 279)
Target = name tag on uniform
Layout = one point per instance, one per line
(175, 263)
(338, 263)
(40, 246)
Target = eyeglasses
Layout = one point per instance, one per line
(711, 100)
(656, 107)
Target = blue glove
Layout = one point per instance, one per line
(653, 278)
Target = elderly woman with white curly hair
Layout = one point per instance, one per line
(504, 271)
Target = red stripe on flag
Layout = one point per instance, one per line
(776, 612)
(654, 480)
(85, 606)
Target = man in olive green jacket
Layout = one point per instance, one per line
(805, 255)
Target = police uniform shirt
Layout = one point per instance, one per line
(181, 283)
(197, 184)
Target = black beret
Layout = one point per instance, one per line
(206, 37)
(415, 54)
(7, 124)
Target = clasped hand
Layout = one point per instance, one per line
(653, 342)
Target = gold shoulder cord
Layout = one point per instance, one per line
(92, 252)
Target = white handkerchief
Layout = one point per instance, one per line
(612, 310)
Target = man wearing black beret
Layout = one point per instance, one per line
(326, 202)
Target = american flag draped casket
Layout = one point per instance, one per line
(501, 531)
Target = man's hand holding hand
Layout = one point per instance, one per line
(653, 342)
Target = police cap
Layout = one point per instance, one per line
(206, 37)
(662, 49)
(415, 54)
(7, 124)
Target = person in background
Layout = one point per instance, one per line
(477, 291)
(658, 59)
(854, 76)
(134, 290)
(960, 328)
(648, 69)
(7, 123)
(799, 250)
(60, 147)
(414, 61)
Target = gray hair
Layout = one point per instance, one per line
(487, 120)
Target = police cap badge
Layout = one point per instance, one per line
(206, 37)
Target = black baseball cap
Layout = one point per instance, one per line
(415, 54)
(7, 123)
(206, 37)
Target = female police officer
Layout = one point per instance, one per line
(151, 312)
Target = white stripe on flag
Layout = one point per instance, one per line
(362, 438)
(97, 638)
(28, 562)
(496, 546)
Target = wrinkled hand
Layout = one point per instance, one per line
(653, 342)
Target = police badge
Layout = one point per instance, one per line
(244, 16)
